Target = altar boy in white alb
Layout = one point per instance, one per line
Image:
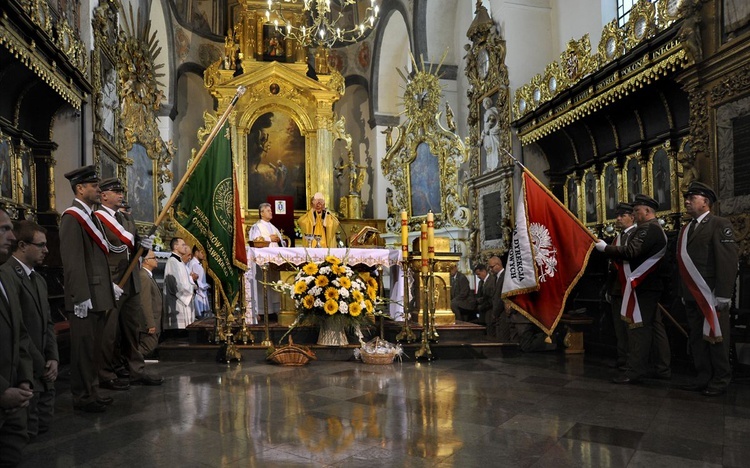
(264, 229)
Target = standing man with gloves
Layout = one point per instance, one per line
(641, 258)
(707, 257)
(89, 290)
(126, 320)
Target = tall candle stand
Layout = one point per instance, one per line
(267, 339)
(432, 334)
(406, 334)
(424, 352)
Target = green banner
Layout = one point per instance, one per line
(208, 213)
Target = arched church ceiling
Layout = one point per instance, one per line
(188, 67)
(389, 9)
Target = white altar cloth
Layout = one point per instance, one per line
(387, 258)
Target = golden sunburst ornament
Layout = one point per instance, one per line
(422, 91)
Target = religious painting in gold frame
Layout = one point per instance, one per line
(26, 176)
(141, 194)
(611, 195)
(7, 173)
(662, 179)
(424, 182)
(591, 197)
(633, 176)
(572, 195)
(275, 149)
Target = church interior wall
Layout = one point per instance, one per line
(391, 54)
(192, 101)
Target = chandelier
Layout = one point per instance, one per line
(325, 22)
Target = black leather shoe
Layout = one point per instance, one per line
(692, 388)
(148, 380)
(114, 384)
(663, 376)
(624, 379)
(91, 407)
(122, 373)
(714, 392)
(106, 401)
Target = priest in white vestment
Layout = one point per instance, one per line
(265, 230)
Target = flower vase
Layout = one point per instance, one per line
(332, 334)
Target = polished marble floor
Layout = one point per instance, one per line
(539, 410)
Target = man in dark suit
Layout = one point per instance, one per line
(485, 290)
(16, 372)
(29, 251)
(462, 297)
(707, 256)
(641, 258)
(89, 291)
(625, 222)
(498, 323)
(126, 320)
(153, 304)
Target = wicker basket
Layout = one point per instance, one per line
(292, 355)
(377, 359)
(259, 244)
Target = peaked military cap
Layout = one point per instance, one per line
(699, 188)
(645, 200)
(623, 208)
(112, 184)
(82, 175)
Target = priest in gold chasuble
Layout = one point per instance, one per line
(320, 222)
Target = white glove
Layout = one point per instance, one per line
(723, 303)
(82, 310)
(118, 291)
(148, 242)
(600, 245)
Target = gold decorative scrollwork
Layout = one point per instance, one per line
(422, 100)
(641, 23)
(576, 61)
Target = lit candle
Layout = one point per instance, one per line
(404, 234)
(423, 247)
(430, 235)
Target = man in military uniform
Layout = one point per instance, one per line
(89, 291)
(29, 251)
(641, 258)
(126, 321)
(15, 362)
(625, 222)
(707, 257)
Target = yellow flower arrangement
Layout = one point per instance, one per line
(331, 290)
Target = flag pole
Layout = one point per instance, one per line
(189, 172)
(552, 195)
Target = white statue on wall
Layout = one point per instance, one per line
(491, 135)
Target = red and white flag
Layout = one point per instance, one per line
(548, 254)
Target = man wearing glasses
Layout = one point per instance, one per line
(28, 251)
(152, 302)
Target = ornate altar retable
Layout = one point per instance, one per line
(283, 258)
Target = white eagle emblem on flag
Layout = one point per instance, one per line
(545, 254)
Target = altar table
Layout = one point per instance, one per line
(280, 256)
